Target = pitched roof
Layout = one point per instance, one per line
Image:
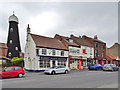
(42, 41)
(81, 41)
(65, 38)
(93, 39)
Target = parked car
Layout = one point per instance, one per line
(57, 69)
(111, 67)
(12, 71)
(95, 67)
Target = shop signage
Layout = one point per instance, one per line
(53, 58)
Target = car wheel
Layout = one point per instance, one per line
(0, 76)
(20, 75)
(53, 72)
(66, 72)
(96, 69)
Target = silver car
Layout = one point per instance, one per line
(57, 69)
(111, 67)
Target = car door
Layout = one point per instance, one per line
(9, 72)
(62, 70)
(57, 69)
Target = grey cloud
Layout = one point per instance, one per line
(78, 18)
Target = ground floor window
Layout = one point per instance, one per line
(90, 62)
(61, 63)
(44, 63)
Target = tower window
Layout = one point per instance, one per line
(10, 41)
(16, 48)
(9, 54)
(11, 29)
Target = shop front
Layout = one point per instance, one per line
(49, 61)
(90, 61)
(101, 61)
(74, 62)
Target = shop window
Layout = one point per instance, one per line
(44, 63)
(44, 51)
(61, 63)
(37, 51)
(53, 52)
(41, 63)
(62, 53)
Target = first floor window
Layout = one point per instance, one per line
(53, 52)
(62, 53)
(44, 51)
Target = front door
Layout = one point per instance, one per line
(53, 63)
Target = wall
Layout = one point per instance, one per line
(31, 60)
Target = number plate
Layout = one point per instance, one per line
(106, 69)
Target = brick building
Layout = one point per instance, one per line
(113, 54)
(79, 51)
(99, 49)
(3, 53)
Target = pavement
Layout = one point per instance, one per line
(75, 79)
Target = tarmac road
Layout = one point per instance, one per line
(75, 79)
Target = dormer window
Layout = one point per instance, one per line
(10, 41)
(70, 40)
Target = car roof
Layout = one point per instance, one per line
(13, 66)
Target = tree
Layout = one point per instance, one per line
(16, 61)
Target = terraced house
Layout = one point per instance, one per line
(43, 52)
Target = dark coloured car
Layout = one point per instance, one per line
(95, 67)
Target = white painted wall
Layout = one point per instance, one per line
(74, 53)
(49, 52)
(88, 55)
(30, 58)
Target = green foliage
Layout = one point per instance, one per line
(16, 61)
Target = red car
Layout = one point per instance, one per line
(12, 71)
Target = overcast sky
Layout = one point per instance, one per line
(64, 18)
